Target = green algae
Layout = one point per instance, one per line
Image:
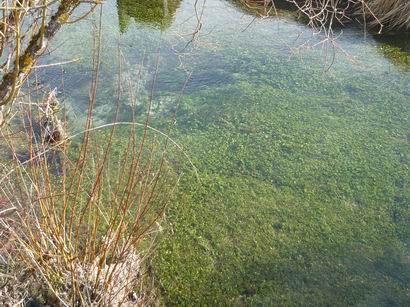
(397, 49)
(297, 204)
(305, 194)
(305, 190)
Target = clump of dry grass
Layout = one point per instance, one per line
(393, 14)
(78, 225)
(78, 233)
(323, 15)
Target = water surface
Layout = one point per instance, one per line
(304, 194)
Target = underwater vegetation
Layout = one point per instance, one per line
(158, 13)
(396, 48)
(304, 189)
(295, 205)
(304, 195)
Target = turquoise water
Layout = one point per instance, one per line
(304, 187)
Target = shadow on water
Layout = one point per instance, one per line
(395, 48)
(280, 8)
(308, 276)
(157, 13)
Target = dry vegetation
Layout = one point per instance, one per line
(323, 15)
(78, 213)
(395, 14)
(79, 220)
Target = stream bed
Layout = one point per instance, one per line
(302, 149)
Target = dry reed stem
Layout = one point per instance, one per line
(78, 230)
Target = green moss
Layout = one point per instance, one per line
(63, 18)
(28, 63)
(396, 48)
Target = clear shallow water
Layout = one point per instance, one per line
(304, 194)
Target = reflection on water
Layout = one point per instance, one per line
(267, 8)
(158, 13)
